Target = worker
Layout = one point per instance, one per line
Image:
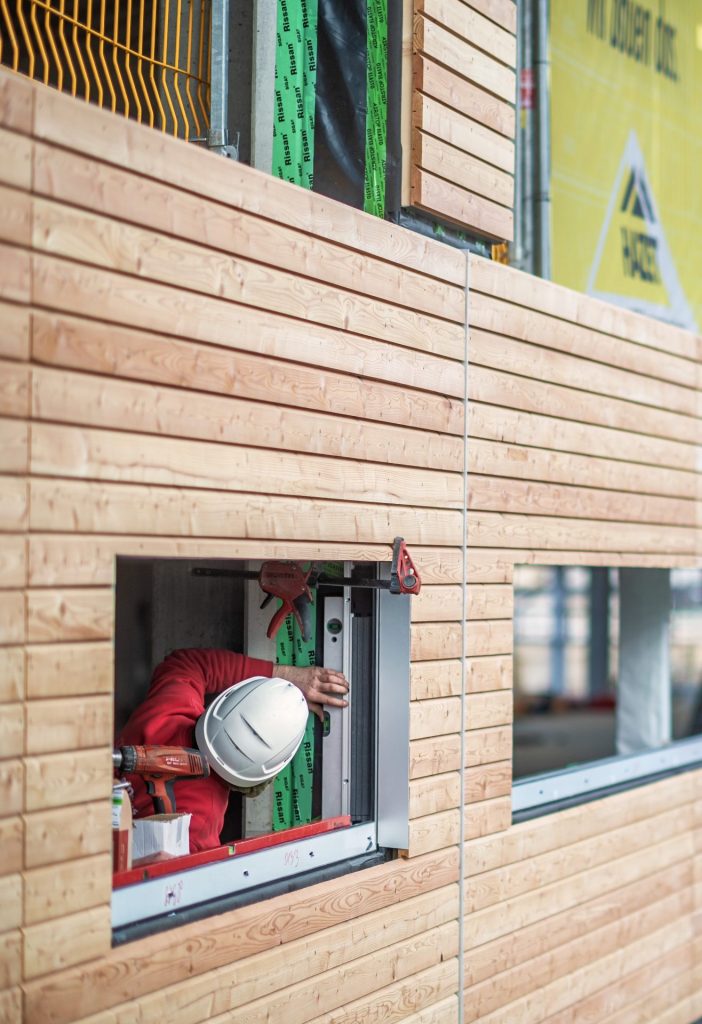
(173, 714)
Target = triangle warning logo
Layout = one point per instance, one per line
(633, 266)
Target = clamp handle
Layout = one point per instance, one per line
(404, 578)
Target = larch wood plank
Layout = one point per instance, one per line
(435, 717)
(502, 12)
(487, 782)
(12, 673)
(432, 39)
(493, 278)
(82, 669)
(68, 723)
(430, 679)
(506, 883)
(529, 839)
(14, 389)
(116, 351)
(442, 603)
(75, 288)
(528, 360)
(461, 206)
(70, 560)
(58, 780)
(12, 617)
(570, 403)
(11, 787)
(96, 133)
(514, 427)
(163, 959)
(396, 1001)
(14, 446)
(106, 402)
(15, 275)
(666, 1004)
(504, 918)
(434, 794)
(121, 456)
(69, 940)
(16, 160)
(328, 993)
(10, 959)
(533, 531)
(434, 832)
(485, 746)
(530, 977)
(624, 978)
(16, 102)
(67, 833)
(444, 1012)
(437, 640)
(61, 889)
(14, 332)
(82, 614)
(12, 840)
(485, 710)
(75, 179)
(490, 673)
(10, 902)
(473, 27)
(12, 729)
(11, 1006)
(234, 986)
(462, 170)
(486, 817)
(463, 132)
(434, 756)
(15, 217)
(493, 458)
(530, 496)
(535, 940)
(13, 503)
(116, 246)
(450, 89)
(116, 508)
(499, 316)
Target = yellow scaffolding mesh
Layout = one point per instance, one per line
(145, 59)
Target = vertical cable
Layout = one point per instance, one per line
(464, 668)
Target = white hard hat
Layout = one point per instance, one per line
(251, 731)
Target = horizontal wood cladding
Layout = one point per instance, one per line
(127, 973)
(463, 117)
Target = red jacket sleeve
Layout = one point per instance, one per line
(176, 696)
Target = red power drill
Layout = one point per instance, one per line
(160, 766)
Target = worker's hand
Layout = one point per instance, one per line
(319, 686)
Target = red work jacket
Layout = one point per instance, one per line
(167, 717)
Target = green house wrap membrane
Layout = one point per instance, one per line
(293, 787)
(376, 107)
(295, 89)
(331, 99)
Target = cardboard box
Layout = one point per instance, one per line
(161, 836)
(121, 828)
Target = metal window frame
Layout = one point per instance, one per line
(167, 895)
(556, 787)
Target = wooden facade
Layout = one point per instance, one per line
(199, 360)
(459, 112)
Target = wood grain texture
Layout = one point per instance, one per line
(448, 47)
(10, 959)
(64, 834)
(69, 723)
(459, 205)
(452, 90)
(466, 23)
(58, 780)
(72, 939)
(14, 331)
(60, 889)
(12, 674)
(16, 102)
(126, 973)
(83, 669)
(463, 133)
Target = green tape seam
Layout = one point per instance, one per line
(295, 91)
(376, 107)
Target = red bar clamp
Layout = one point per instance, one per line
(404, 578)
(288, 582)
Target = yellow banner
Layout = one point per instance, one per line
(626, 153)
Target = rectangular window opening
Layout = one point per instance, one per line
(344, 798)
(607, 678)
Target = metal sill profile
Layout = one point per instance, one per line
(588, 779)
(172, 893)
